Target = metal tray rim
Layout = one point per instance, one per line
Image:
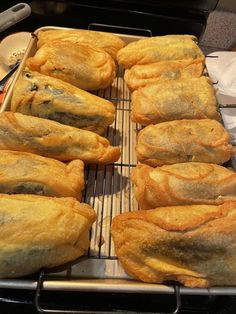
(111, 285)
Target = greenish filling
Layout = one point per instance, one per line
(28, 140)
(75, 120)
(26, 188)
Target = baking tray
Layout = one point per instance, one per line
(110, 192)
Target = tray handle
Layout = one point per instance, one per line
(121, 29)
(39, 308)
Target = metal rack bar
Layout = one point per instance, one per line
(118, 28)
(40, 309)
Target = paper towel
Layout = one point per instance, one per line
(221, 66)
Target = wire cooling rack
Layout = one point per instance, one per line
(109, 191)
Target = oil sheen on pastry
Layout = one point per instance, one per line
(159, 48)
(26, 173)
(192, 98)
(192, 244)
(52, 139)
(87, 67)
(107, 41)
(142, 75)
(50, 98)
(183, 184)
(41, 231)
(184, 140)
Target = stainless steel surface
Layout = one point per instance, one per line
(40, 309)
(137, 30)
(109, 285)
(110, 192)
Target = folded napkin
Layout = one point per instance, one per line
(229, 118)
(221, 66)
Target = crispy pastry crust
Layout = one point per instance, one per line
(52, 139)
(86, 67)
(194, 245)
(25, 173)
(40, 231)
(109, 42)
(142, 75)
(50, 98)
(183, 184)
(159, 48)
(184, 140)
(192, 98)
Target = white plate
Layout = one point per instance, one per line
(12, 48)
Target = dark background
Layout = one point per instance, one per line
(115, 302)
(161, 17)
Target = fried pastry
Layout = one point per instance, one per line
(192, 98)
(50, 98)
(52, 139)
(159, 48)
(142, 75)
(192, 244)
(41, 231)
(89, 68)
(107, 41)
(184, 140)
(26, 173)
(183, 184)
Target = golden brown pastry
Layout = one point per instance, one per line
(192, 98)
(52, 139)
(87, 67)
(159, 48)
(142, 75)
(195, 245)
(107, 41)
(184, 140)
(41, 231)
(47, 97)
(183, 184)
(25, 173)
